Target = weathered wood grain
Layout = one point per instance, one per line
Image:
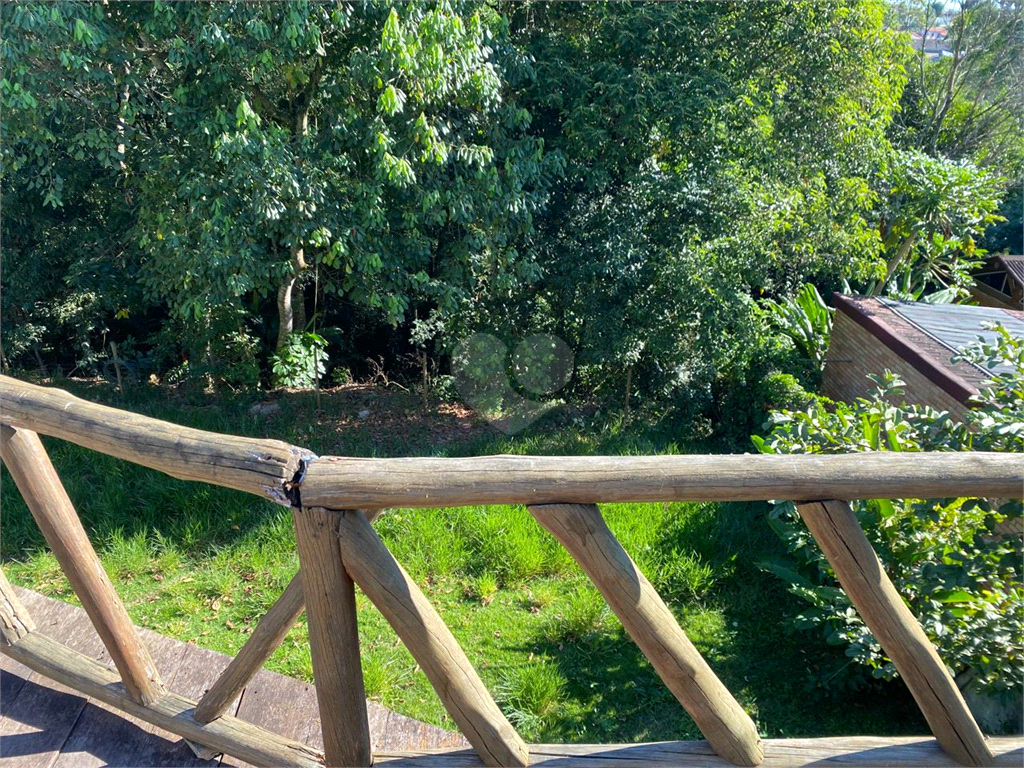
(431, 643)
(833, 752)
(358, 483)
(333, 639)
(15, 621)
(836, 529)
(26, 459)
(263, 467)
(170, 712)
(264, 640)
(582, 531)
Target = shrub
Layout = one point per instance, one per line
(961, 581)
(302, 362)
(805, 319)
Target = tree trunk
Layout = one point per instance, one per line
(894, 264)
(290, 308)
(299, 320)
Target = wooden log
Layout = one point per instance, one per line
(431, 643)
(15, 621)
(582, 531)
(837, 530)
(354, 483)
(49, 504)
(333, 639)
(262, 643)
(263, 467)
(831, 752)
(171, 712)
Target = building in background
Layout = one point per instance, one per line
(916, 341)
(1000, 283)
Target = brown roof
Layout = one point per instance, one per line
(924, 351)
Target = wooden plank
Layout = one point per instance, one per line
(70, 623)
(355, 483)
(836, 529)
(15, 621)
(263, 467)
(26, 460)
(429, 640)
(333, 639)
(836, 752)
(401, 732)
(261, 644)
(283, 705)
(198, 667)
(171, 711)
(582, 531)
(104, 735)
(39, 721)
(12, 677)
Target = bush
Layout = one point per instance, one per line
(961, 581)
(302, 362)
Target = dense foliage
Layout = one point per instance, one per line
(960, 578)
(206, 184)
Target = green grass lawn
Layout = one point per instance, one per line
(203, 564)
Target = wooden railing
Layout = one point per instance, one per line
(334, 502)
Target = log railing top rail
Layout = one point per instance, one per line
(281, 472)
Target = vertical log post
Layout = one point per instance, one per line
(429, 640)
(582, 531)
(46, 498)
(333, 639)
(15, 621)
(836, 529)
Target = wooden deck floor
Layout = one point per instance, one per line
(45, 725)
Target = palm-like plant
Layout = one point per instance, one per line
(806, 319)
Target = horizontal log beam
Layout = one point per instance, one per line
(831, 752)
(346, 483)
(269, 467)
(171, 712)
(263, 467)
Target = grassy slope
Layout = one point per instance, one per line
(203, 564)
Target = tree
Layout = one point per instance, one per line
(932, 211)
(259, 142)
(713, 151)
(67, 266)
(375, 143)
(968, 104)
